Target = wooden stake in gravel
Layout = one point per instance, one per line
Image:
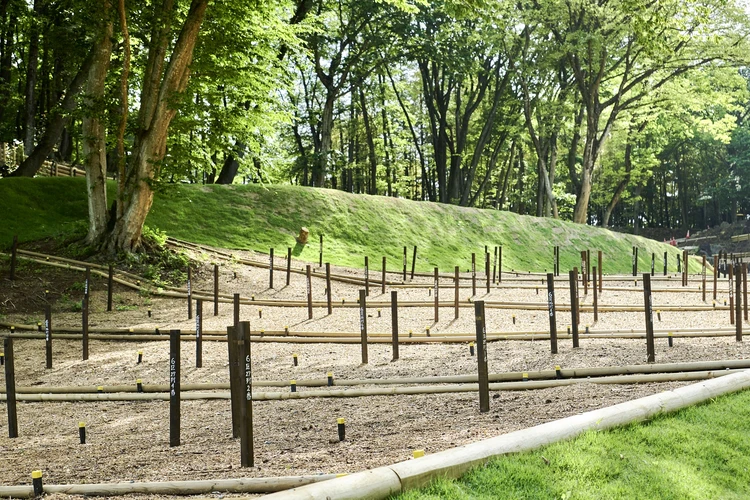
(437, 292)
(584, 278)
(309, 292)
(487, 269)
(382, 285)
(190, 292)
(48, 334)
(320, 262)
(328, 288)
(270, 269)
(588, 267)
(199, 333)
(685, 268)
(596, 299)
(648, 308)
(216, 289)
(367, 276)
(110, 281)
(363, 324)
(653, 262)
(635, 261)
(494, 266)
(404, 277)
(601, 270)
(394, 323)
(13, 259)
(551, 308)
(665, 263)
(703, 275)
(500, 264)
(234, 388)
(744, 288)
(10, 388)
(716, 274)
(738, 309)
(484, 385)
(573, 306)
(288, 265)
(455, 295)
(473, 274)
(174, 388)
(247, 458)
(85, 314)
(730, 272)
(413, 261)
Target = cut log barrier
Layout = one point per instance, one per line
(552, 316)
(174, 388)
(738, 308)
(85, 314)
(199, 333)
(649, 314)
(473, 274)
(437, 293)
(573, 306)
(288, 265)
(482, 371)
(270, 269)
(10, 387)
(216, 289)
(413, 261)
(309, 292)
(110, 276)
(190, 292)
(456, 292)
(394, 324)
(247, 455)
(329, 303)
(363, 324)
(48, 335)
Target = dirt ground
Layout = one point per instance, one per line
(129, 441)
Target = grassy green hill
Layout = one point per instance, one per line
(260, 217)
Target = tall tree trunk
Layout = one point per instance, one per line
(521, 207)
(372, 185)
(326, 133)
(154, 118)
(93, 131)
(32, 62)
(8, 21)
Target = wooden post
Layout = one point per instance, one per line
(382, 285)
(10, 388)
(665, 263)
(234, 387)
(573, 306)
(744, 288)
(110, 281)
(601, 270)
(648, 308)
(13, 259)
(487, 269)
(394, 323)
(500, 264)
(730, 275)
(484, 385)
(288, 265)
(174, 388)
(270, 269)
(738, 308)
(455, 295)
(367, 276)
(199, 333)
(85, 314)
(635, 261)
(247, 458)
(473, 274)
(584, 278)
(588, 267)
(685, 268)
(557, 260)
(716, 274)
(551, 310)
(309, 292)
(320, 262)
(48, 334)
(328, 288)
(190, 292)
(363, 324)
(653, 262)
(494, 265)
(703, 275)
(404, 277)
(437, 292)
(596, 299)
(413, 261)
(216, 289)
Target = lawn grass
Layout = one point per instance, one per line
(259, 217)
(701, 452)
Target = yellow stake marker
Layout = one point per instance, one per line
(417, 453)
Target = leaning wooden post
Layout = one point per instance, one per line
(716, 274)
(703, 276)
(551, 310)
(413, 261)
(309, 292)
(247, 458)
(190, 292)
(363, 324)
(199, 333)
(473, 274)
(85, 314)
(730, 274)
(455, 294)
(573, 306)
(404, 276)
(174, 388)
(13, 259)
(601, 270)
(216, 289)
(437, 292)
(110, 281)
(596, 299)
(394, 323)
(648, 308)
(487, 269)
(288, 265)
(382, 285)
(270, 269)
(328, 288)
(484, 383)
(48, 334)
(738, 308)
(367, 276)
(10, 388)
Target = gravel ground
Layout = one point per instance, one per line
(129, 441)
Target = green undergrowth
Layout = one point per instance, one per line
(259, 217)
(697, 453)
